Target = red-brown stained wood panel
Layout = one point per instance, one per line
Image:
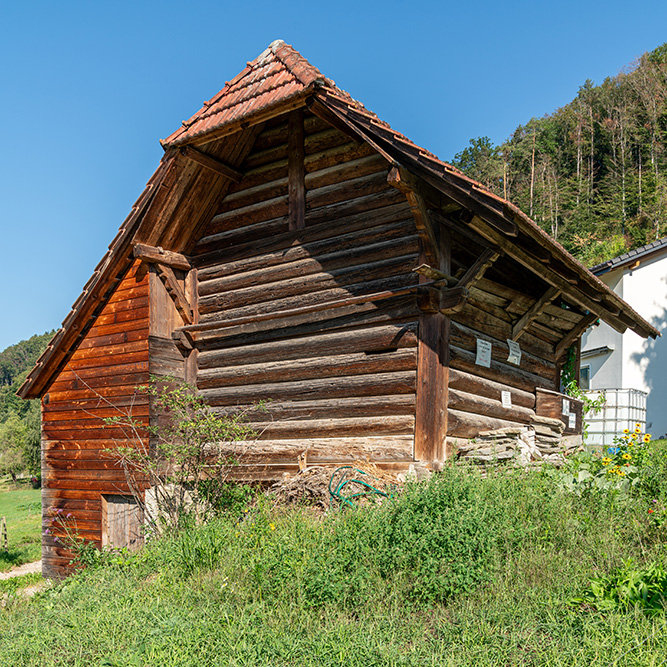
(99, 382)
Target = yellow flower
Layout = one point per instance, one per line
(637, 425)
(620, 473)
(625, 430)
(626, 456)
(272, 526)
(606, 461)
(647, 438)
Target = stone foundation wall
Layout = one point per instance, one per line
(542, 440)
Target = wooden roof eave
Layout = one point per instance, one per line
(491, 213)
(116, 261)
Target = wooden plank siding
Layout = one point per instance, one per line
(99, 381)
(338, 383)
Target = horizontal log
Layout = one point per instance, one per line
(73, 447)
(243, 216)
(121, 327)
(83, 430)
(87, 485)
(464, 360)
(94, 393)
(387, 311)
(470, 425)
(466, 338)
(127, 295)
(254, 194)
(473, 384)
(158, 255)
(133, 315)
(488, 407)
(331, 428)
(367, 339)
(112, 474)
(273, 472)
(321, 451)
(71, 499)
(117, 349)
(275, 247)
(76, 363)
(345, 171)
(340, 259)
(348, 190)
(120, 338)
(386, 278)
(94, 414)
(478, 320)
(304, 369)
(116, 374)
(378, 384)
(244, 234)
(371, 406)
(338, 157)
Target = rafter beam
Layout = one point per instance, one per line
(574, 333)
(406, 183)
(157, 255)
(478, 269)
(534, 312)
(210, 162)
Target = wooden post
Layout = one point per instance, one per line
(433, 373)
(192, 292)
(296, 171)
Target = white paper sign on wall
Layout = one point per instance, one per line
(506, 398)
(566, 407)
(572, 421)
(483, 353)
(515, 352)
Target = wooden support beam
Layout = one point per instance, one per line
(434, 274)
(574, 334)
(452, 299)
(534, 312)
(168, 277)
(479, 267)
(157, 255)
(406, 183)
(584, 296)
(211, 163)
(296, 171)
(432, 390)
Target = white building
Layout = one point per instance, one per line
(615, 361)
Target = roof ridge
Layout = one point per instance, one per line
(297, 65)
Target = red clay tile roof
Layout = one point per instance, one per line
(277, 75)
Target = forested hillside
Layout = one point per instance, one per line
(593, 174)
(19, 420)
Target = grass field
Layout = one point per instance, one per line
(21, 507)
(460, 571)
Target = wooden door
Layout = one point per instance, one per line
(122, 522)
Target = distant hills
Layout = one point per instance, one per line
(593, 173)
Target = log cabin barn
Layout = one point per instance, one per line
(293, 248)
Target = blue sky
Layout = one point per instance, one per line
(89, 88)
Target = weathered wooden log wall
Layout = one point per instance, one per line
(339, 383)
(100, 379)
(494, 306)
